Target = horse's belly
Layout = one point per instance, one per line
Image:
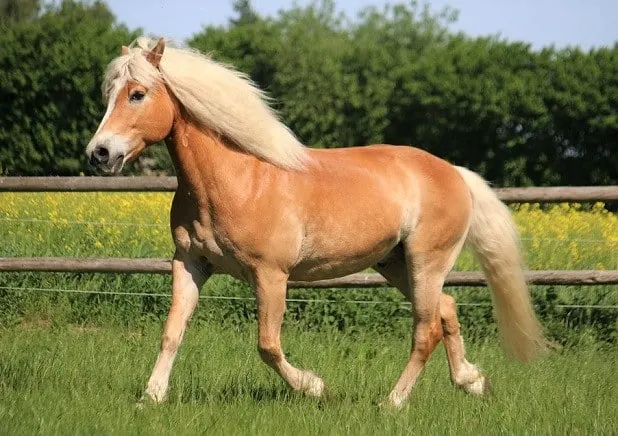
(322, 266)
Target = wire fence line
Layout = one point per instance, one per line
(289, 300)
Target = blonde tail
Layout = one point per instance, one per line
(494, 240)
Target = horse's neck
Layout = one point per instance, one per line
(205, 165)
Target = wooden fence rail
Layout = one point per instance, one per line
(360, 280)
(88, 184)
(169, 184)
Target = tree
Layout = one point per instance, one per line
(330, 77)
(50, 75)
(398, 75)
(15, 11)
(245, 11)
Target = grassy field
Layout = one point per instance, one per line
(87, 381)
(75, 363)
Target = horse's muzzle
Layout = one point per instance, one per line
(103, 160)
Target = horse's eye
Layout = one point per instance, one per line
(136, 96)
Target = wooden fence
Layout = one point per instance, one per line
(168, 184)
(360, 280)
(162, 266)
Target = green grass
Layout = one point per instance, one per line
(60, 379)
(69, 380)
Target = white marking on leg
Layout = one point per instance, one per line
(471, 379)
(396, 400)
(311, 384)
(187, 280)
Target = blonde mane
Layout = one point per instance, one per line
(217, 96)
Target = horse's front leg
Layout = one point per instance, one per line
(270, 290)
(188, 276)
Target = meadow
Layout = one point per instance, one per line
(76, 349)
(87, 381)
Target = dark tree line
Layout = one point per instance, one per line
(399, 75)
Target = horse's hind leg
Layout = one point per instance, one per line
(463, 373)
(436, 317)
(426, 272)
(270, 290)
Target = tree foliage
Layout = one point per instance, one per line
(14, 11)
(397, 75)
(50, 75)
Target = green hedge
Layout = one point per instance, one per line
(399, 75)
(389, 316)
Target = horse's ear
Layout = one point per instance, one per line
(124, 50)
(154, 55)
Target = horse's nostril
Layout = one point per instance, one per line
(101, 154)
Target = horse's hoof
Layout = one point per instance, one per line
(393, 402)
(312, 385)
(480, 386)
(146, 401)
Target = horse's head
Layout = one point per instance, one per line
(140, 110)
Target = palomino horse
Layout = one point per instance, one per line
(254, 203)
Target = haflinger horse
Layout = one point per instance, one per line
(254, 203)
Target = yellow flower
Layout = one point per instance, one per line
(558, 236)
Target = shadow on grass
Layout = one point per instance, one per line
(233, 392)
(255, 391)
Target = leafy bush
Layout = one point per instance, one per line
(50, 76)
(398, 75)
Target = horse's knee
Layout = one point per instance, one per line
(426, 338)
(448, 314)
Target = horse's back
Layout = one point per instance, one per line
(403, 174)
(384, 159)
(359, 203)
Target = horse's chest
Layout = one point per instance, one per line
(202, 240)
